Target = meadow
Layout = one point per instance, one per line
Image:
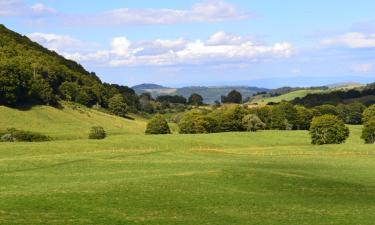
(268, 177)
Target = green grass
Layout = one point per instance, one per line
(270, 177)
(286, 97)
(71, 122)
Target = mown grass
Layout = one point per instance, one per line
(269, 177)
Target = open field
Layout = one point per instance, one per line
(270, 177)
(287, 97)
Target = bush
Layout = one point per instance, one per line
(305, 117)
(97, 133)
(193, 122)
(14, 135)
(229, 118)
(252, 123)
(368, 114)
(328, 129)
(368, 132)
(158, 125)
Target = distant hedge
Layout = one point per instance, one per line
(14, 135)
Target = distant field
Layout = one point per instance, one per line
(286, 97)
(270, 177)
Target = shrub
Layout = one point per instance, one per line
(193, 122)
(252, 123)
(158, 125)
(305, 117)
(328, 129)
(368, 114)
(368, 132)
(97, 133)
(14, 135)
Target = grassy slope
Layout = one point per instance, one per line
(71, 122)
(270, 177)
(286, 97)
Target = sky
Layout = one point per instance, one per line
(266, 43)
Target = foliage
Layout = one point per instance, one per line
(351, 113)
(193, 122)
(97, 132)
(304, 118)
(264, 114)
(118, 106)
(158, 125)
(232, 97)
(328, 129)
(171, 99)
(195, 99)
(368, 132)
(229, 118)
(14, 135)
(252, 123)
(325, 110)
(368, 114)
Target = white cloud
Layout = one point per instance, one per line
(20, 8)
(209, 11)
(41, 9)
(180, 52)
(352, 40)
(222, 38)
(56, 42)
(296, 71)
(363, 68)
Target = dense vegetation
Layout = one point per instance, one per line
(31, 74)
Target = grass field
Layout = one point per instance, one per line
(270, 177)
(286, 97)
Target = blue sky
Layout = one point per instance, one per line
(267, 43)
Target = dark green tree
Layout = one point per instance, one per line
(118, 106)
(232, 97)
(368, 114)
(195, 99)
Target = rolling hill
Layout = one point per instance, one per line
(73, 121)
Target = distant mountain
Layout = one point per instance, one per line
(209, 94)
(148, 87)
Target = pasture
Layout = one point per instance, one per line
(268, 177)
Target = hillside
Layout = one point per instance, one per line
(209, 94)
(34, 75)
(71, 122)
(286, 97)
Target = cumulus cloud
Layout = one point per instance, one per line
(123, 52)
(352, 40)
(209, 11)
(363, 68)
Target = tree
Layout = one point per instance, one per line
(97, 133)
(193, 122)
(305, 117)
(351, 113)
(157, 125)
(368, 114)
(264, 114)
(195, 99)
(328, 129)
(41, 91)
(229, 118)
(252, 123)
(232, 97)
(368, 132)
(117, 105)
(325, 110)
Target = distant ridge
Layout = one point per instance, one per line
(148, 86)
